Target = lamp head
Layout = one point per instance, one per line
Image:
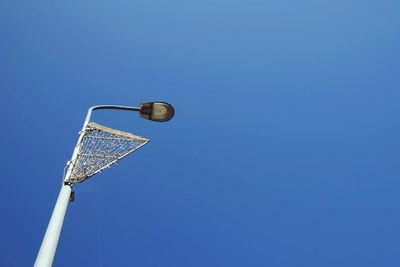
(156, 111)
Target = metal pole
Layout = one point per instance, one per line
(48, 248)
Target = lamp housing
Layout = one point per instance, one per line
(156, 111)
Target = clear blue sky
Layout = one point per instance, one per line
(284, 150)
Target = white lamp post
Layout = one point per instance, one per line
(85, 163)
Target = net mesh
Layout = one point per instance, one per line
(100, 147)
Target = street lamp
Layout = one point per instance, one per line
(98, 147)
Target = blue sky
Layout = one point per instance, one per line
(283, 151)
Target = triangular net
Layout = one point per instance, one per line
(101, 147)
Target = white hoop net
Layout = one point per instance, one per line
(101, 147)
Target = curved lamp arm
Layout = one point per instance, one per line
(115, 107)
(154, 111)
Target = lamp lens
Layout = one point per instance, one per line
(157, 111)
